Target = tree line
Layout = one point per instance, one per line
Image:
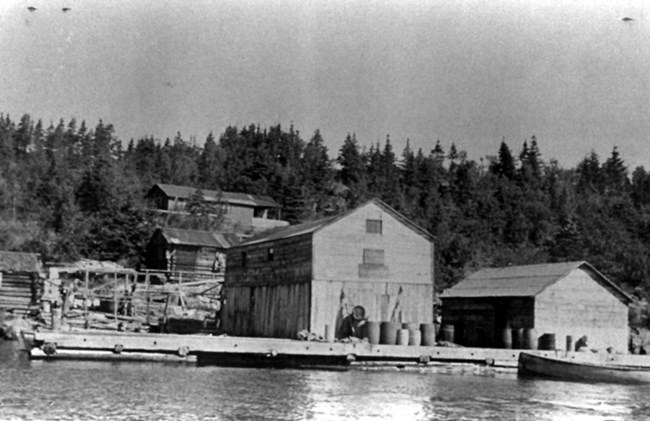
(70, 191)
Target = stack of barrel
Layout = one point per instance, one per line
(521, 338)
(397, 333)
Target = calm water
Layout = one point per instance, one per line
(65, 390)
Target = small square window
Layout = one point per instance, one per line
(373, 257)
(373, 226)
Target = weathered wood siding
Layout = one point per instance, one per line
(277, 311)
(339, 268)
(479, 322)
(16, 291)
(268, 288)
(576, 306)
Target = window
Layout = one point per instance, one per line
(373, 257)
(270, 254)
(244, 259)
(373, 226)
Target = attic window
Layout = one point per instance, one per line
(373, 226)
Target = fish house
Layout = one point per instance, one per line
(19, 280)
(309, 276)
(560, 299)
(172, 249)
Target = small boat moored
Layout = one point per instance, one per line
(581, 369)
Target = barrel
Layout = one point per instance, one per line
(518, 338)
(388, 333)
(56, 318)
(329, 334)
(372, 330)
(506, 338)
(569, 343)
(547, 342)
(447, 333)
(428, 334)
(415, 337)
(530, 338)
(402, 336)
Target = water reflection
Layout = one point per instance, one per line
(121, 391)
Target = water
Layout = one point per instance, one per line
(69, 390)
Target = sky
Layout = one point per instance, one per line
(471, 72)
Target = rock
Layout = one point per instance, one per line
(11, 329)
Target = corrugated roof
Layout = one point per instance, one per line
(199, 238)
(313, 226)
(524, 281)
(20, 262)
(186, 192)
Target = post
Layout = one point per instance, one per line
(115, 295)
(86, 294)
(146, 293)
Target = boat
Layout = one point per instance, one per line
(581, 369)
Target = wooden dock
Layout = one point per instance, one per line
(246, 351)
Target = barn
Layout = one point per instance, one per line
(171, 249)
(19, 280)
(561, 299)
(309, 276)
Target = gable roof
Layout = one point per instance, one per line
(313, 226)
(243, 199)
(20, 262)
(525, 281)
(199, 238)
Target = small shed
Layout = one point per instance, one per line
(172, 249)
(565, 299)
(19, 280)
(309, 276)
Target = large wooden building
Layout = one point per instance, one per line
(309, 276)
(241, 212)
(171, 249)
(19, 280)
(564, 299)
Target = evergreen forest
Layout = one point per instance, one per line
(70, 191)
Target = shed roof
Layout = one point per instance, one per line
(199, 238)
(525, 281)
(313, 226)
(244, 199)
(20, 262)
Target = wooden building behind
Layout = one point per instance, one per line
(564, 299)
(241, 212)
(309, 276)
(171, 249)
(19, 280)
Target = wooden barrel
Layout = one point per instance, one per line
(428, 334)
(506, 338)
(56, 318)
(415, 337)
(371, 331)
(388, 333)
(402, 336)
(569, 343)
(530, 339)
(329, 334)
(547, 342)
(518, 338)
(447, 333)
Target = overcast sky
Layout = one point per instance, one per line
(470, 72)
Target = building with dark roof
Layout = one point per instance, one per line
(19, 273)
(171, 249)
(242, 212)
(310, 276)
(564, 299)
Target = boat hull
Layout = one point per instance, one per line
(581, 371)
